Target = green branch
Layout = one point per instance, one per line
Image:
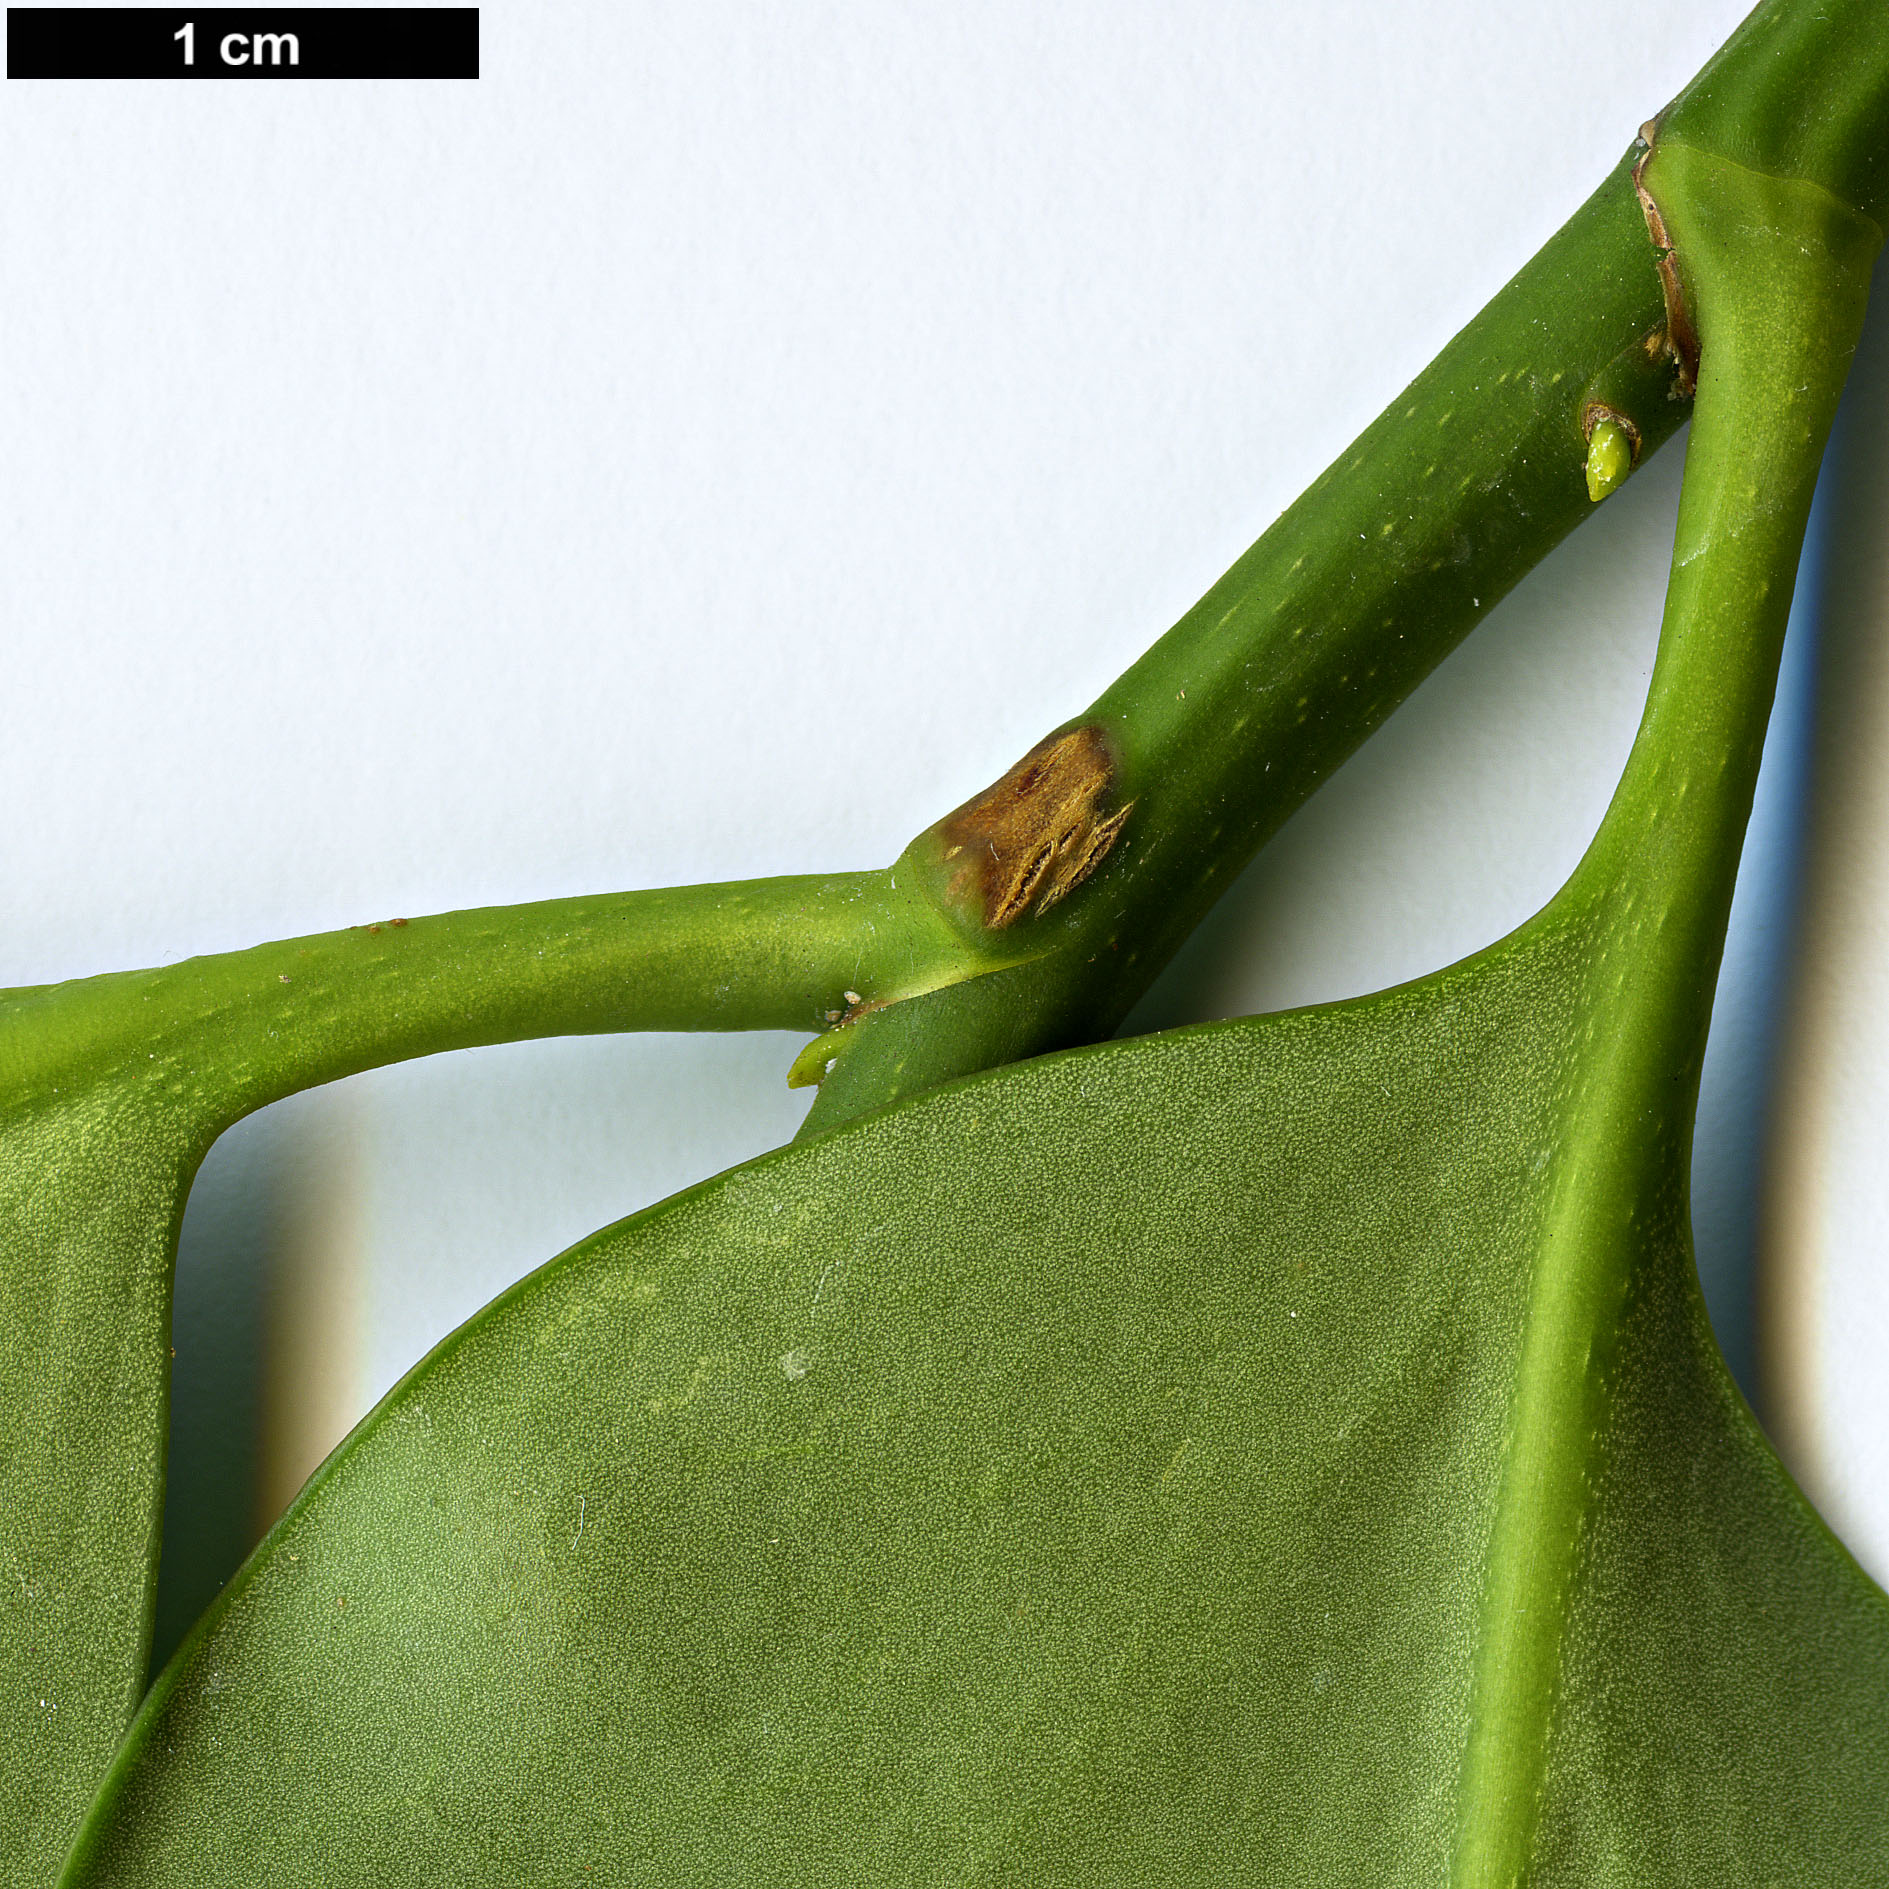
(1471, 476)
(223, 1035)
(1335, 615)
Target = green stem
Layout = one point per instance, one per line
(1164, 790)
(1166, 787)
(222, 1035)
(1308, 643)
(1229, 722)
(1777, 272)
(1206, 745)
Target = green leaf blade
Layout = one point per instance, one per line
(1083, 1474)
(1714, 1614)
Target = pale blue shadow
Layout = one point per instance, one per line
(1728, 1150)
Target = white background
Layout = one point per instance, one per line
(715, 443)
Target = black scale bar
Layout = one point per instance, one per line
(267, 43)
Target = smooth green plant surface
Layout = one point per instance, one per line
(112, 1090)
(1291, 1450)
(923, 1505)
